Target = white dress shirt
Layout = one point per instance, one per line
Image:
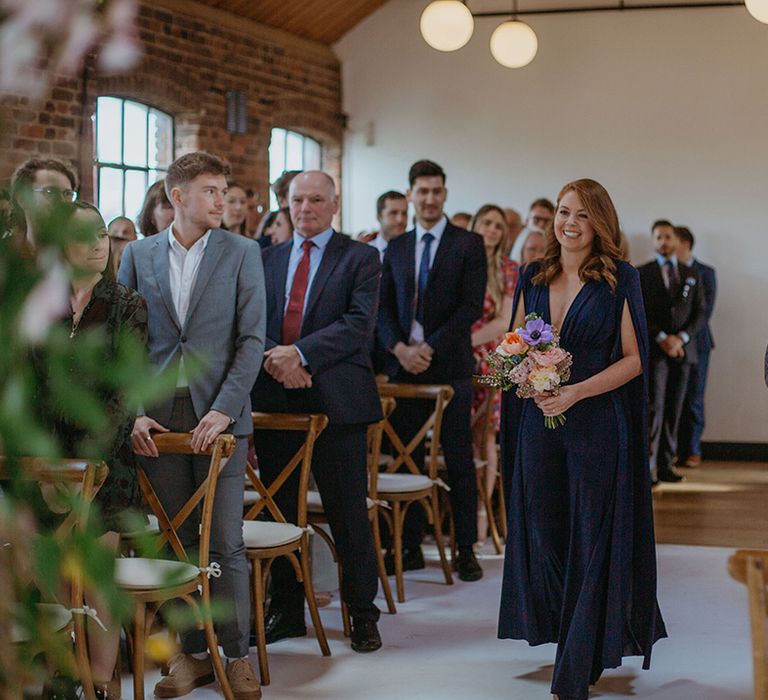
(183, 265)
(662, 261)
(417, 331)
(380, 243)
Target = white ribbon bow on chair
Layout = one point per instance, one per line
(88, 612)
(213, 570)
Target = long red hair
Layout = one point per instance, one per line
(600, 264)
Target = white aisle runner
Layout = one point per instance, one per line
(441, 645)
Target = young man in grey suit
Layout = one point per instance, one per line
(204, 289)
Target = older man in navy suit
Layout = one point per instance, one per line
(692, 418)
(432, 291)
(322, 290)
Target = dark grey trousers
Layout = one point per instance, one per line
(175, 478)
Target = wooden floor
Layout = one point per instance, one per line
(721, 504)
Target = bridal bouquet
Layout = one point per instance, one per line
(530, 358)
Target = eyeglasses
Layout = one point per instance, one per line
(56, 193)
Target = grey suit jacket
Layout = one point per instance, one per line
(225, 327)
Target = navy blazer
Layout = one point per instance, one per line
(453, 301)
(683, 313)
(705, 341)
(336, 333)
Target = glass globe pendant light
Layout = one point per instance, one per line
(758, 9)
(514, 44)
(446, 25)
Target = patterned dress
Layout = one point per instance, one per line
(508, 271)
(115, 309)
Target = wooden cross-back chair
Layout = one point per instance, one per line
(317, 518)
(420, 484)
(84, 478)
(750, 566)
(153, 582)
(482, 425)
(265, 540)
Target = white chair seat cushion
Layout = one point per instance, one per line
(261, 534)
(140, 574)
(402, 483)
(152, 527)
(55, 617)
(315, 504)
(251, 497)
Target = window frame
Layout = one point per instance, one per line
(304, 138)
(122, 166)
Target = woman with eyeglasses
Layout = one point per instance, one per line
(104, 315)
(37, 187)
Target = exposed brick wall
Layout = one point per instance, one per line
(192, 56)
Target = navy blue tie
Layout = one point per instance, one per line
(423, 275)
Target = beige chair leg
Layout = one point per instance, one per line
(306, 575)
(398, 516)
(139, 631)
(320, 531)
(439, 535)
(257, 586)
(488, 504)
(213, 650)
(385, 587)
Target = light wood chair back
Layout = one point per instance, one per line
(310, 423)
(482, 424)
(750, 567)
(149, 597)
(425, 486)
(181, 443)
(441, 395)
(375, 439)
(65, 482)
(265, 541)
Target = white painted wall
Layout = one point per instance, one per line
(669, 110)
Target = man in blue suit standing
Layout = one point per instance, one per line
(322, 290)
(692, 418)
(432, 291)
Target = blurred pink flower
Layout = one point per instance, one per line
(46, 303)
(58, 34)
(548, 358)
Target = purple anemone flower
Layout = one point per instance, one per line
(536, 332)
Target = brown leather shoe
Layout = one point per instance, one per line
(186, 673)
(243, 680)
(692, 462)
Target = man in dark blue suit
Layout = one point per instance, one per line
(432, 291)
(674, 309)
(692, 419)
(322, 291)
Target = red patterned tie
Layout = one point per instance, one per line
(295, 310)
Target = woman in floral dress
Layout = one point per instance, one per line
(490, 223)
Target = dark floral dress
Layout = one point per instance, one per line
(116, 309)
(509, 270)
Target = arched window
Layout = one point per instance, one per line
(290, 150)
(134, 147)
